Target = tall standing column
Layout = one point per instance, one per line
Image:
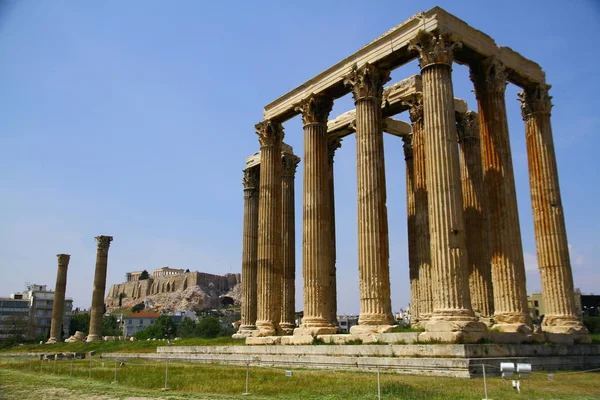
(373, 246)
(97, 310)
(249, 253)
(288, 231)
(508, 268)
(269, 275)
(316, 243)
(475, 209)
(413, 267)
(333, 145)
(548, 217)
(452, 317)
(58, 304)
(422, 248)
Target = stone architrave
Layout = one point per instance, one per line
(288, 231)
(508, 267)
(548, 217)
(316, 243)
(422, 248)
(97, 309)
(452, 318)
(413, 267)
(373, 243)
(58, 304)
(269, 264)
(475, 209)
(249, 253)
(333, 144)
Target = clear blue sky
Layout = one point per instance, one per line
(133, 119)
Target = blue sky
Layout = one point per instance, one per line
(133, 119)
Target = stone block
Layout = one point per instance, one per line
(297, 339)
(264, 340)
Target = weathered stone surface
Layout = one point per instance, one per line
(58, 304)
(97, 309)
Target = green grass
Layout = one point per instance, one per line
(400, 329)
(206, 381)
(596, 338)
(141, 346)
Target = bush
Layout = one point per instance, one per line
(592, 324)
(187, 328)
(163, 327)
(208, 327)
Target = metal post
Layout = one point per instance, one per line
(115, 381)
(29, 365)
(54, 372)
(378, 385)
(484, 382)
(71, 367)
(41, 363)
(166, 375)
(247, 376)
(90, 372)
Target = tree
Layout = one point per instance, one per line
(79, 322)
(163, 327)
(138, 307)
(111, 327)
(187, 328)
(144, 275)
(208, 327)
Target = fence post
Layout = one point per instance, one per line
(71, 367)
(484, 382)
(41, 363)
(90, 369)
(246, 393)
(166, 375)
(115, 381)
(55, 358)
(378, 385)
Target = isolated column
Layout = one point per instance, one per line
(452, 314)
(413, 268)
(422, 248)
(333, 145)
(58, 304)
(373, 246)
(508, 267)
(288, 231)
(249, 252)
(548, 217)
(97, 310)
(269, 275)
(475, 209)
(316, 243)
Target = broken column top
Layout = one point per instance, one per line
(254, 159)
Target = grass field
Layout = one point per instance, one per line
(20, 377)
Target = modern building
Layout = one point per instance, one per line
(134, 323)
(14, 316)
(537, 306)
(345, 322)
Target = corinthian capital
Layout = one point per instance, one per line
(63, 259)
(467, 126)
(251, 177)
(489, 76)
(367, 81)
(434, 48)
(269, 132)
(535, 100)
(103, 242)
(315, 109)
(290, 162)
(407, 146)
(415, 107)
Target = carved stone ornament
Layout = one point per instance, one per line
(467, 126)
(103, 242)
(367, 81)
(290, 162)
(489, 75)
(332, 146)
(315, 109)
(415, 107)
(269, 132)
(407, 146)
(63, 258)
(251, 178)
(434, 48)
(535, 100)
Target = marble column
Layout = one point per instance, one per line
(97, 309)
(58, 304)
(475, 209)
(452, 319)
(249, 253)
(333, 145)
(508, 267)
(373, 246)
(413, 267)
(269, 265)
(288, 231)
(316, 243)
(548, 217)
(422, 238)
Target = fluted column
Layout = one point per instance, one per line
(452, 315)
(288, 231)
(508, 267)
(58, 304)
(316, 243)
(333, 145)
(249, 253)
(373, 246)
(422, 248)
(413, 267)
(97, 309)
(475, 209)
(548, 217)
(270, 274)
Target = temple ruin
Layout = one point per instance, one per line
(466, 266)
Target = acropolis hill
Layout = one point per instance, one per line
(170, 288)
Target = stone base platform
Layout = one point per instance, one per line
(457, 360)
